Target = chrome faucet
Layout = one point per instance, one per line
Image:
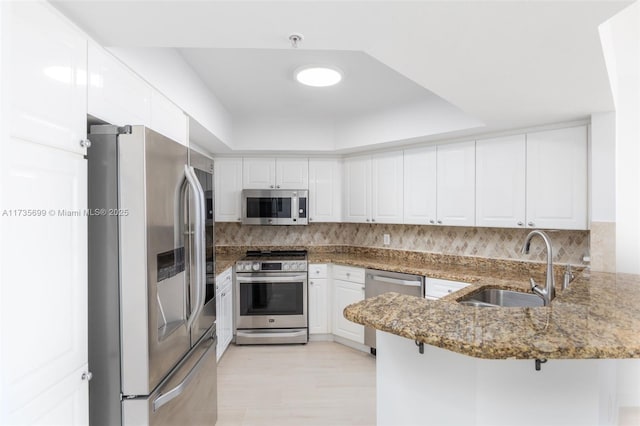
(549, 292)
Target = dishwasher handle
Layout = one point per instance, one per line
(396, 281)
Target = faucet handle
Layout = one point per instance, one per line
(533, 283)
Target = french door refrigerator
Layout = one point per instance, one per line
(152, 336)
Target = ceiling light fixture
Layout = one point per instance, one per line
(318, 76)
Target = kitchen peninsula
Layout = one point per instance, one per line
(483, 359)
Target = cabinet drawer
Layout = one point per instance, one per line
(317, 271)
(347, 273)
(435, 288)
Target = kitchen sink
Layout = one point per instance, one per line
(494, 297)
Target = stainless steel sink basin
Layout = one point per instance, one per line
(493, 297)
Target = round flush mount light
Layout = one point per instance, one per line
(318, 76)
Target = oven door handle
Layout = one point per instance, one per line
(267, 280)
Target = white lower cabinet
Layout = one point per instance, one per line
(346, 293)
(318, 300)
(224, 310)
(435, 288)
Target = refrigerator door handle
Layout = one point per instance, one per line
(165, 398)
(199, 236)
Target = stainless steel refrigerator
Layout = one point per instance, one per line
(152, 336)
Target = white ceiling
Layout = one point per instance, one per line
(259, 82)
(507, 64)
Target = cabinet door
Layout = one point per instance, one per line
(557, 179)
(420, 186)
(46, 76)
(292, 173)
(227, 315)
(258, 173)
(168, 119)
(116, 94)
(325, 190)
(500, 182)
(318, 306)
(346, 293)
(43, 284)
(228, 189)
(387, 189)
(357, 189)
(456, 184)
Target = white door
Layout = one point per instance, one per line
(258, 173)
(346, 293)
(318, 306)
(387, 189)
(43, 285)
(420, 186)
(557, 179)
(357, 189)
(500, 182)
(292, 173)
(46, 76)
(228, 189)
(43, 194)
(456, 184)
(325, 190)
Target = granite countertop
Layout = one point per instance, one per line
(598, 316)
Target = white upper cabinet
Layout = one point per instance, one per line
(119, 96)
(168, 119)
(325, 190)
(45, 75)
(557, 179)
(420, 186)
(456, 184)
(357, 189)
(387, 187)
(500, 182)
(271, 173)
(228, 189)
(292, 173)
(116, 94)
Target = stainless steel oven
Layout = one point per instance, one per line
(271, 302)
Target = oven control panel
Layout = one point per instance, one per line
(271, 266)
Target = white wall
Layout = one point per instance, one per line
(283, 133)
(422, 119)
(167, 71)
(620, 37)
(603, 167)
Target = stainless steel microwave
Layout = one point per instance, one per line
(275, 207)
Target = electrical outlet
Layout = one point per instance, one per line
(386, 239)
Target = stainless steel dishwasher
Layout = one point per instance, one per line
(378, 282)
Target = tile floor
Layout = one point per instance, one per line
(320, 383)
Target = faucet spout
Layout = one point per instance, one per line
(549, 291)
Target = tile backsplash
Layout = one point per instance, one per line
(497, 243)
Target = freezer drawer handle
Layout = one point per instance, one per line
(165, 398)
(397, 281)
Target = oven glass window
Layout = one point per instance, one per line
(258, 207)
(271, 299)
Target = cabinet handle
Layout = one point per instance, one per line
(520, 223)
(85, 143)
(531, 224)
(310, 282)
(440, 222)
(278, 186)
(367, 220)
(373, 220)
(362, 288)
(310, 219)
(271, 186)
(432, 221)
(87, 375)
